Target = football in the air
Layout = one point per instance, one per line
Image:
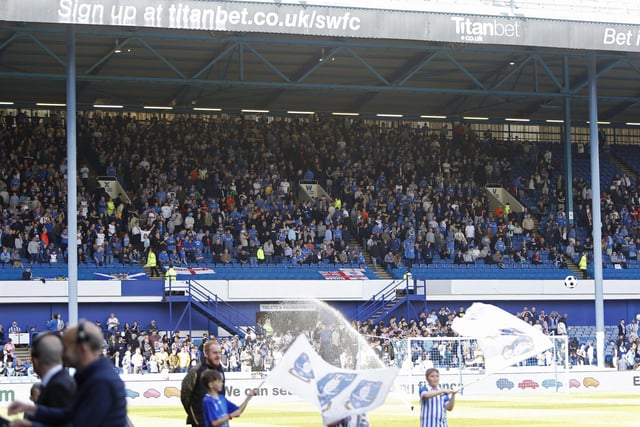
(570, 282)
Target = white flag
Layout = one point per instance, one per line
(503, 338)
(337, 393)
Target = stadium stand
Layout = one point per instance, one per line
(200, 186)
(220, 193)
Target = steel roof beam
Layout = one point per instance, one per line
(400, 77)
(314, 86)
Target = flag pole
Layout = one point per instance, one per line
(475, 381)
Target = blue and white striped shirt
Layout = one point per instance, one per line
(432, 411)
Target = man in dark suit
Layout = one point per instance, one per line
(622, 329)
(100, 398)
(58, 389)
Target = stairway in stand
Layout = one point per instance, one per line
(623, 167)
(147, 270)
(22, 352)
(573, 266)
(380, 272)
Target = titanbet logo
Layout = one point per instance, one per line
(470, 30)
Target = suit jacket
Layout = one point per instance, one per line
(622, 330)
(100, 400)
(59, 392)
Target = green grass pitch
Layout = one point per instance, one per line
(584, 410)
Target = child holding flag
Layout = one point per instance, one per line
(217, 410)
(435, 401)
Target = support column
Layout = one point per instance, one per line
(567, 145)
(72, 186)
(595, 207)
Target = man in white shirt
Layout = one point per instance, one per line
(166, 211)
(285, 186)
(470, 232)
(112, 323)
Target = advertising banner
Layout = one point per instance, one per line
(157, 390)
(332, 21)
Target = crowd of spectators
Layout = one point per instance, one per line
(223, 189)
(623, 353)
(136, 349)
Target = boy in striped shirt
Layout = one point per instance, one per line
(435, 401)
